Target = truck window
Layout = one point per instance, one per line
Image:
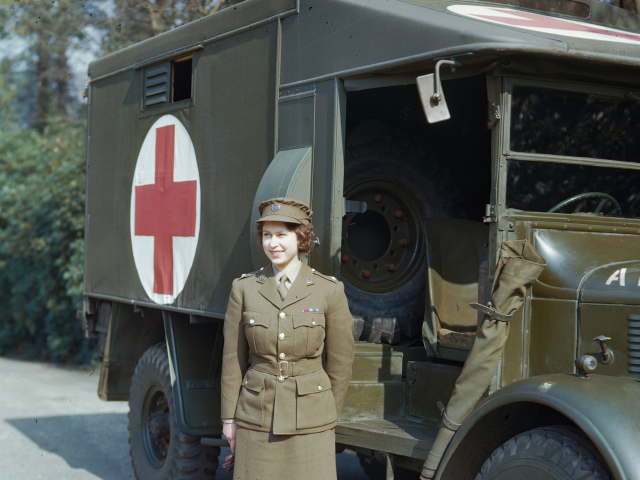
(169, 82)
(576, 124)
(182, 78)
(539, 186)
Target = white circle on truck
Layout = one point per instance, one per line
(165, 209)
(536, 22)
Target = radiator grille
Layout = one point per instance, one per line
(633, 339)
(156, 85)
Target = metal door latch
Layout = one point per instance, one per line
(494, 115)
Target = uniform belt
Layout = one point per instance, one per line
(287, 369)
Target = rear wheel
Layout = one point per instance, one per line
(549, 453)
(383, 248)
(159, 451)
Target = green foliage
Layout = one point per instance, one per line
(132, 21)
(42, 155)
(49, 30)
(41, 241)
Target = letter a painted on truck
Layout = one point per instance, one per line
(165, 209)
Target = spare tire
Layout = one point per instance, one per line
(392, 183)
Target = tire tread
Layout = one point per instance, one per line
(187, 459)
(562, 446)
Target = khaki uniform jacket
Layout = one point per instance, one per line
(286, 390)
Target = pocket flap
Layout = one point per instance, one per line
(313, 383)
(253, 381)
(254, 318)
(308, 320)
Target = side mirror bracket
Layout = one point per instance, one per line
(431, 94)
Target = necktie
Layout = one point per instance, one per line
(282, 288)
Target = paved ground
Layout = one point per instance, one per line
(53, 426)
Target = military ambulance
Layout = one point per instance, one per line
(423, 134)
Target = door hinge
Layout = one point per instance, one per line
(490, 214)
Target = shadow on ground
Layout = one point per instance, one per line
(96, 443)
(99, 444)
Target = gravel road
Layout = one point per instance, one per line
(53, 426)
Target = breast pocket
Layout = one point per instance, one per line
(316, 406)
(308, 333)
(256, 329)
(250, 407)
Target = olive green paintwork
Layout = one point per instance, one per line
(427, 384)
(582, 253)
(298, 49)
(600, 406)
(376, 389)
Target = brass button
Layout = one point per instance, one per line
(282, 355)
(281, 379)
(282, 315)
(281, 336)
(313, 323)
(319, 388)
(251, 321)
(313, 269)
(245, 382)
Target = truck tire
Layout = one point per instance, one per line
(548, 453)
(159, 451)
(383, 249)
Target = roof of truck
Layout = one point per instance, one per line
(334, 36)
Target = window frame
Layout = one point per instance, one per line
(511, 82)
(504, 147)
(171, 106)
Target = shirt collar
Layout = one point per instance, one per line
(292, 271)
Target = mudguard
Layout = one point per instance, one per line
(606, 409)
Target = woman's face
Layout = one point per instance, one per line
(279, 243)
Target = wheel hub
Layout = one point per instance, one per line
(382, 247)
(156, 427)
(158, 424)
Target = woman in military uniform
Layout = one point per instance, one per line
(279, 415)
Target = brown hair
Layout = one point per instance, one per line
(304, 233)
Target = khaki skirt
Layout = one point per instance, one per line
(265, 456)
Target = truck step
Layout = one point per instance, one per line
(396, 436)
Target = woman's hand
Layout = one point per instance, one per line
(229, 430)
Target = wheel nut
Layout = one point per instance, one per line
(391, 267)
(366, 274)
(398, 214)
(377, 197)
(345, 258)
(403, 242)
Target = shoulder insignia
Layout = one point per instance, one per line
(250, 274)
(326, 277)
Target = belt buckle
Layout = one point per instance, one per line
(281, 367)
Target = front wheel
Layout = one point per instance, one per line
(159, 451)
(548, 453)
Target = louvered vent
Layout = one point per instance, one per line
(156, 85)
(633, 340)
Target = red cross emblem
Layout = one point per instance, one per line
(165, 210)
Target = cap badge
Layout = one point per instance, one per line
(275, 207)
